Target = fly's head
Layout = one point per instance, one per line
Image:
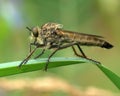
(35, 36)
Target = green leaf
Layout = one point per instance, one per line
(11, 68)
(112, 76)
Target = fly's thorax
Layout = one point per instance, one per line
(49, 31)
(49, 35)
(40, 40)
(49, 25)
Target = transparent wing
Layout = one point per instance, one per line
(66, 31)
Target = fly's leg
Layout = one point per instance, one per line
(59, 47)
(28, 57)
(32, 44)
(83, 55)
(40, 54)
(30, 47)
(66, 46)
(48, 60)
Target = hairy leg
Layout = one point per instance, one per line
(28, 57)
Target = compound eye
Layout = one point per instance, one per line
(35, 31)
(35, 34)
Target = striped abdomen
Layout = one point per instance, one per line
(86, 39)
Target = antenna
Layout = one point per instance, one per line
(28, 28)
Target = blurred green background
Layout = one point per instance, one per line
(99, 17)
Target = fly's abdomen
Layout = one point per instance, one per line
(107, 45)
(85, 39)
(90, 40)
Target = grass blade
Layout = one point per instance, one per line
(11, 68)
(112, 76)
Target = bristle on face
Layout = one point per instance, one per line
(107, 45)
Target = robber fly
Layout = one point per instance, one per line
(52, 36)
